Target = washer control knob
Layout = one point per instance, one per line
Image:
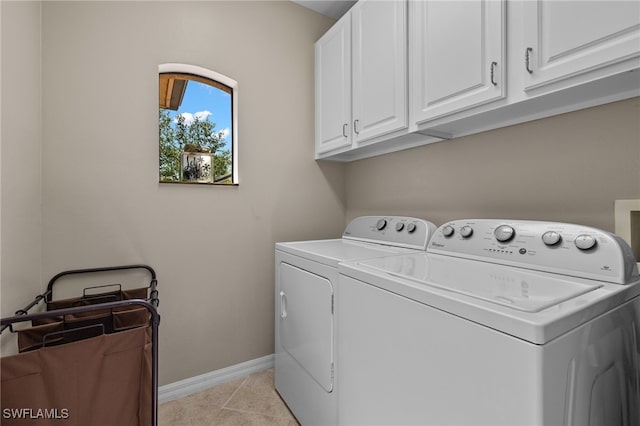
(381, 224)
(551, 238)
(466, 231)
(399, 226)
(504, 233)
(447, 230)
(411, 228)
(585, 242)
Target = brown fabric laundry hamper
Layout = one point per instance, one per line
(103, 380)
(84, 362)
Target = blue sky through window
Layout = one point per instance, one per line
(203, 100)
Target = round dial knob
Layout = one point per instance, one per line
(447, 230)
(411, 228)
(504, 233)
(381, 224)
(466, 231)
(585, 242)
(551, 238)
(399, 226)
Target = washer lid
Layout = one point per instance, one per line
(531, 305)
(516, 288)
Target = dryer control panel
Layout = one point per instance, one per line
(398, 231)
(562, 248)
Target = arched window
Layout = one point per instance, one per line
(198, 133)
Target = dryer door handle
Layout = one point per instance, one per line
(283, 305)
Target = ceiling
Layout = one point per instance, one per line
(332, 8)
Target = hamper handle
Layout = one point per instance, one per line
(71, 330)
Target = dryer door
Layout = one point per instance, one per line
(306, 322)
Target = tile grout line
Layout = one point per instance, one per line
(256, 413)
(259, 413)
(224, 405)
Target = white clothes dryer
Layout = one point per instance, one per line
(305, 323)
(499, 323)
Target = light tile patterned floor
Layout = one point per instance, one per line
(249, 401)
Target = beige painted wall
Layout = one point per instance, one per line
(213, 248)
(20, 279)
(567, 168)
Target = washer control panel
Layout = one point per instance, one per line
(400, 231)
(563, 248)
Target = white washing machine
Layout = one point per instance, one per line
(498, 323)
(305, 324)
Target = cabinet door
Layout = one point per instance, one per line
(333, 88)
(457, 56)
(567, 38)
(379, 54)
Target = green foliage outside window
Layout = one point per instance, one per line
(200, 135)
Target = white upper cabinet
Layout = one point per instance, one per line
(565, 39)
(379, 61)
(457, 56)
(394, 74)
(333, 88)
(361, 77)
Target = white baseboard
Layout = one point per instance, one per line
(205, 381)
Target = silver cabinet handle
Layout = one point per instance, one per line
(527, 58)
(344, 130)
(356, 127)
(493, 66)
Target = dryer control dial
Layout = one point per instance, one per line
(585, 242)
(466, 231)
(551, 238)
(504, 233)
(399, 226)
(411, 228)
(381, 224)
